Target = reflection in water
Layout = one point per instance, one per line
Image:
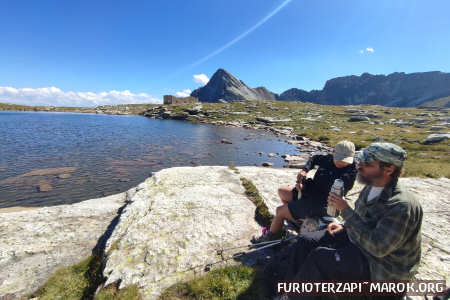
(55, 158)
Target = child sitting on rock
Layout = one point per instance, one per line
(314, 191)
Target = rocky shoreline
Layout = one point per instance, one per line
(305, 146)
(424, 133)
(172, 221)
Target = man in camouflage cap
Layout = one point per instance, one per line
(385, 152)
(381, 236)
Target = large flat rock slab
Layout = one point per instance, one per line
(176, 224)
(36, 242)
(268, 180)
(434, 196)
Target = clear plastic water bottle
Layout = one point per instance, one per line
(338, 189)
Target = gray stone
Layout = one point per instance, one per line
(296, 161)
(372, 115)
(239, 113)
(353, 111)
(436, 138)
(195, 110)
(310, 119)
(272, 120)
(437, 128)
(358, 119)
(419, 121)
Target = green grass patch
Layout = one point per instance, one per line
(73, 282)
(234, 282)
(262, 214)
(80, 281)
(113, 292)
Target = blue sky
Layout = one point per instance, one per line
(100, 52)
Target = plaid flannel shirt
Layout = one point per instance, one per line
(388, 231)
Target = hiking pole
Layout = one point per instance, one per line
(259, 246)
(220, 251)
(267, 244)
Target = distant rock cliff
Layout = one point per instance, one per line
(396, 89)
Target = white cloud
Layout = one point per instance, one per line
(56, 97)
(368, 49)
(184, 93)
(201, 78)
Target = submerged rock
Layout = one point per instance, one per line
(38, 172)
(64, 176)
(44, 186)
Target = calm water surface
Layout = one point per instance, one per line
(56, 158)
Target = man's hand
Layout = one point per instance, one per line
(334, 228)
(300, 176)
(337, 201)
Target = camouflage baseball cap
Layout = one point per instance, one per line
(385, 152)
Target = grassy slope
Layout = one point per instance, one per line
(5, 106)
(441, 103)
(423, 160)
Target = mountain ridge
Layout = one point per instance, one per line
(396, 89)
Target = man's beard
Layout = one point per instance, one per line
(369, 180)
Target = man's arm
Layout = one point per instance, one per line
(301, 177)
(386, 236)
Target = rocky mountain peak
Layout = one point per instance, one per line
(224, 85)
